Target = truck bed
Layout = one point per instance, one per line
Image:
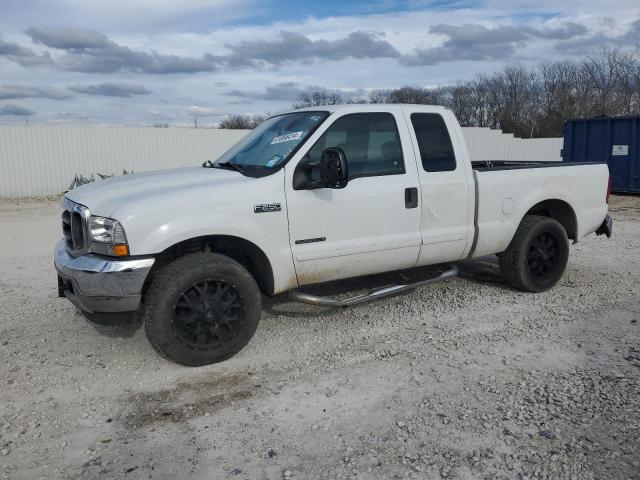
(506, 191)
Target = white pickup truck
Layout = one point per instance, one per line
(311, 196)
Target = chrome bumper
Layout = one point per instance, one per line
(96, 284)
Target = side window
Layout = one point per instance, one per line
(370, 142)
(434, 142)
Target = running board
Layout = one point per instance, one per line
(373, 295)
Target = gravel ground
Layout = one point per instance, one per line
(464, 379)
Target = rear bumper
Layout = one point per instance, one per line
(607, 227)
(96, 284)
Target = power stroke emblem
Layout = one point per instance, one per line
(266, 207)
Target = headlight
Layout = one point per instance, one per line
(107, 237)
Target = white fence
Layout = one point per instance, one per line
(43, 161)
(487, 144)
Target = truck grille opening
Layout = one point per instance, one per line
(77, 231)
(66, 229)
(73, 227)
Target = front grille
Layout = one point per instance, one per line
(74, 227)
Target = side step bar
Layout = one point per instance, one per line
(301, 297)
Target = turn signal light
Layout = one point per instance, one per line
(120, 250)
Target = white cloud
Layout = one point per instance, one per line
(28, 91)
(15, 110)
(196, 111)
(111, 89)
(124, 15)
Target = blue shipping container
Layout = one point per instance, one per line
(613, 140)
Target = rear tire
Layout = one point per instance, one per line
(202, 308)
(537, 256)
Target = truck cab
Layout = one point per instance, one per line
(397, 211)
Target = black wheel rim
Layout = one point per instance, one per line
(207, 314)
(544, 256)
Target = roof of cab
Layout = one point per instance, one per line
(366, 107)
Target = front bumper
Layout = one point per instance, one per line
(96, 284)
(607, 227)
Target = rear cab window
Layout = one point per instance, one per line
(434, 142)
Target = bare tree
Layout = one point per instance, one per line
(408, 94)
(459, 100)
(478, 102)
(629, 84)
(602, 73)
(317, 98)
(536, 101)
(242, 122)
(558, 95)
(379, 96)
(528, 102)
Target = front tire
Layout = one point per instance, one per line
(537, 256)
(202, 308)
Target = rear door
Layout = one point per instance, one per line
(446, 184)
(371, 225)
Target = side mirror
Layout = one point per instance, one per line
(333, 168)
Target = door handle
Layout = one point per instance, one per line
(411, 197)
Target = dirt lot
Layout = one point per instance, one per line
(465, 379)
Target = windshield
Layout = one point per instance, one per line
(272, 142)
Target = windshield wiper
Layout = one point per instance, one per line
(225, 165)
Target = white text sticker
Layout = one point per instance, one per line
(620, 150)
(287, 138)
(274, 160)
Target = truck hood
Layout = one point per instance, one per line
(105, 197)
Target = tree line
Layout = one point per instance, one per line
(530, 102)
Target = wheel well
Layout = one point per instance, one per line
(246, 253)
(560, 211)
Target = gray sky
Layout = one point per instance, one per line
(139, 62)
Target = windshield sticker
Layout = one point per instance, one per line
(274, 160)
(315, 118)
(289, 137)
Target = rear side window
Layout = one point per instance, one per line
(434, 142)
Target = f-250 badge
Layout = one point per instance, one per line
(266, 207)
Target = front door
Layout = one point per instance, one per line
(373, 223)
